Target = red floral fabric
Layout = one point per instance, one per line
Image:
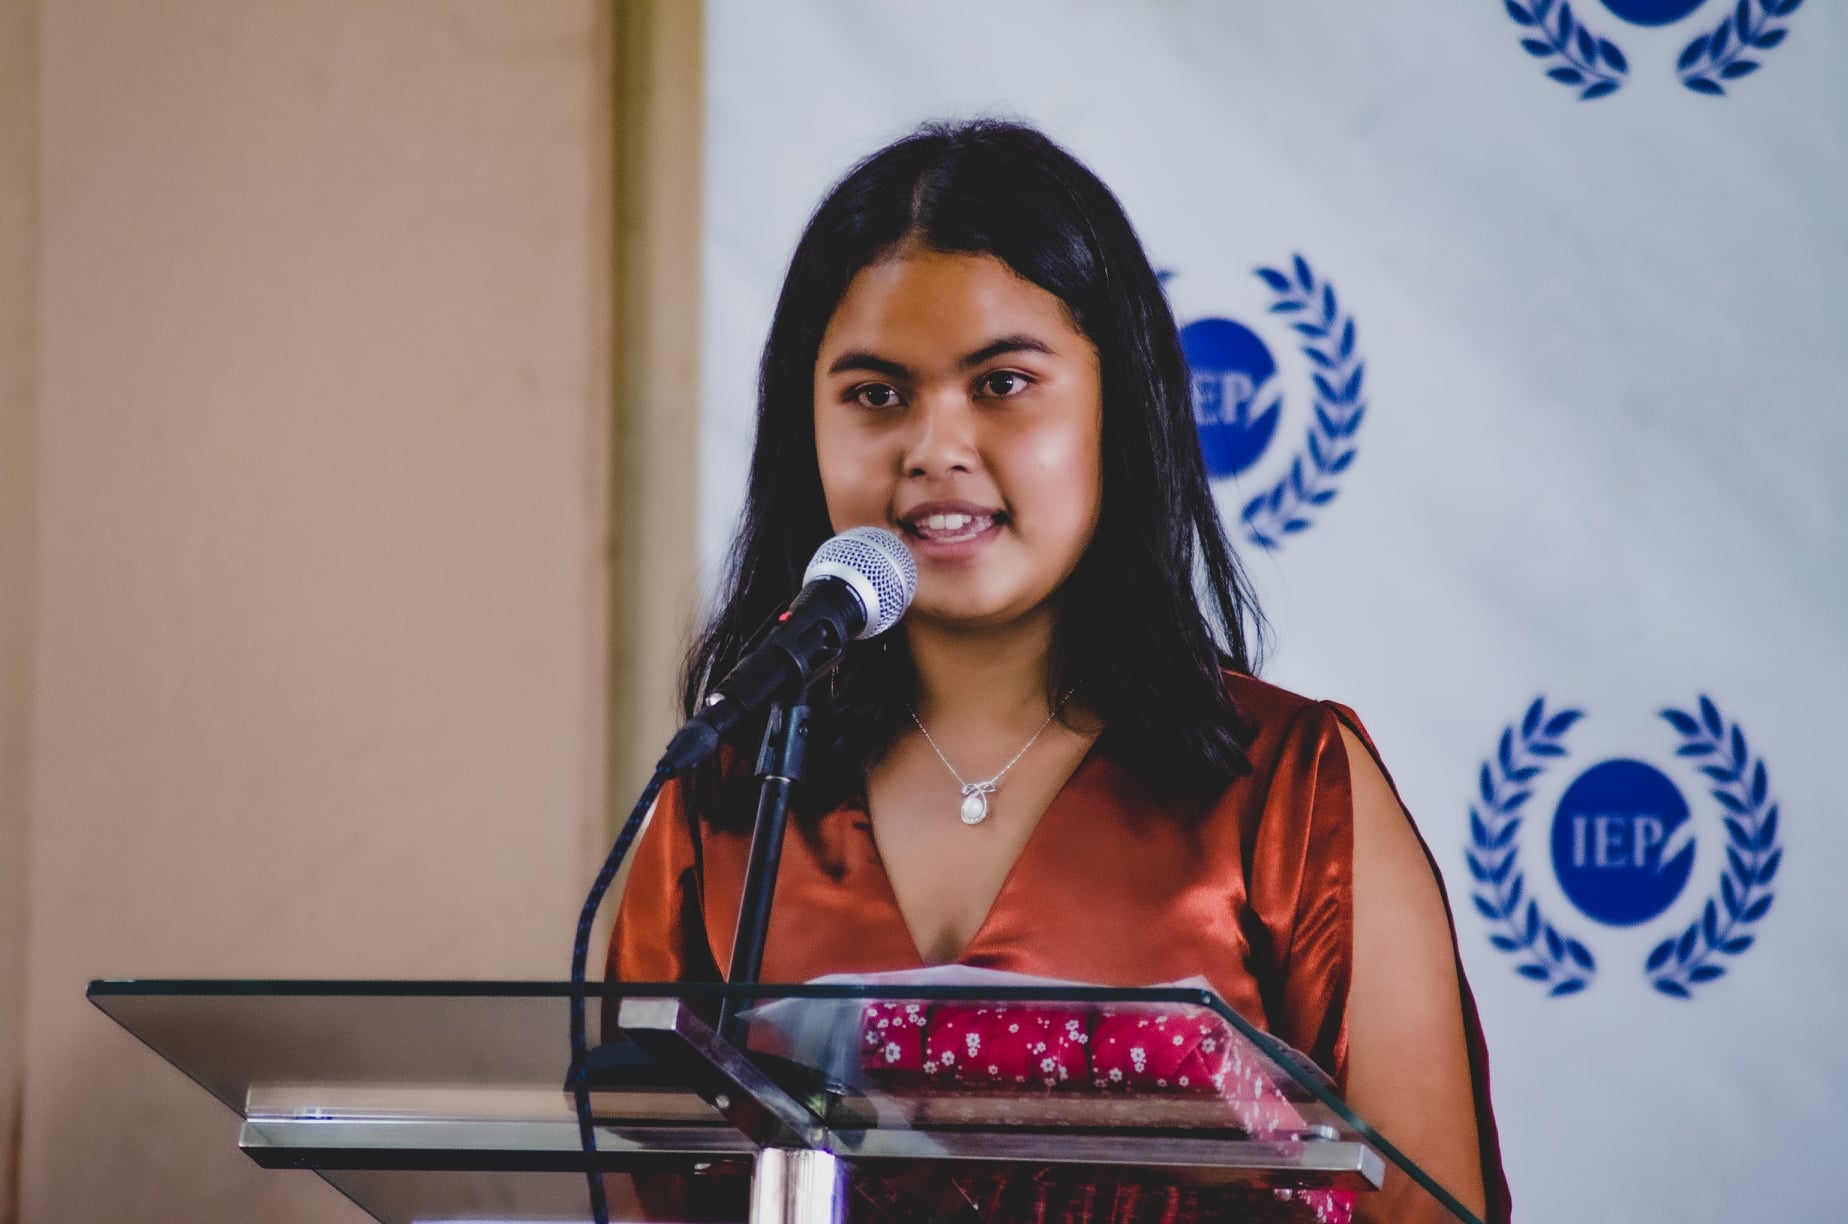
(1039, 1048)
(1005, 1047)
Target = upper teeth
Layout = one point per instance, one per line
(949, 522)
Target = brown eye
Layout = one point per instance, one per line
(876, 395)
(1003, 383)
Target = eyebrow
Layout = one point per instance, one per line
(861, 359)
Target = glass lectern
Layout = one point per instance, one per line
(448, 1101)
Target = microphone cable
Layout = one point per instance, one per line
(580, 954)
(857, 585)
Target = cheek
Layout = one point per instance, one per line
(1066, 473)
(834, 482)
(848, 472)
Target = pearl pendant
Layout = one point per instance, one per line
(974, 805)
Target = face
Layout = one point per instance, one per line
(956, 404)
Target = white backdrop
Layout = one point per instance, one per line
(1605, 347)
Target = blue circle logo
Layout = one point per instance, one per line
(1231, 372)
(1652, 12)
(1622, 844)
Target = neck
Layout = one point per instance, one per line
(989, 677)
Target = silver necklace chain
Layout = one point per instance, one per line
(975, 794)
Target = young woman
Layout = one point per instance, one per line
(971, 350)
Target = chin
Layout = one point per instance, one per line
(971, 614)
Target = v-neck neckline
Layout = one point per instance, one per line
(1059, 798)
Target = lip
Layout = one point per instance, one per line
(947, 551)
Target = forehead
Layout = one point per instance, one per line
(918, 303)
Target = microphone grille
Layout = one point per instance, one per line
(877, 565)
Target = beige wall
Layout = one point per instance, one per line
(319, 478)
(660, 116)
(18, 332)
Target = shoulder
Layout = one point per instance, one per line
(1315, 773)
(1266, 704)
(1287, 724)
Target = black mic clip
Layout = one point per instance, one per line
(806, 639)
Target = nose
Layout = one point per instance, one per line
(942, 437)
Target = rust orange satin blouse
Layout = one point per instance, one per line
(1110, 888)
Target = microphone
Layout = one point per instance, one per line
(856, 586)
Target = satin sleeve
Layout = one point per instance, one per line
(660, 932)
(1301, 884)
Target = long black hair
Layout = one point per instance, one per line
(1157, 609)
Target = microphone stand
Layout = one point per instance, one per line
(780, 763)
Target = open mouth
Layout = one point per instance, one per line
(949, 527)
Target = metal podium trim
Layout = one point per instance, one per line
(735, 1085)
(525, 1144)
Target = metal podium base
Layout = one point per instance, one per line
(798, 1186)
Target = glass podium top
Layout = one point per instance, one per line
(448, 1101)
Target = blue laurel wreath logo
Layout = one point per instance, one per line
(1592, 65)
(1329, 344)
(1596, 67)
(1624, 821)
(1721, 54)
(1565, 965)
(1741, 786)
